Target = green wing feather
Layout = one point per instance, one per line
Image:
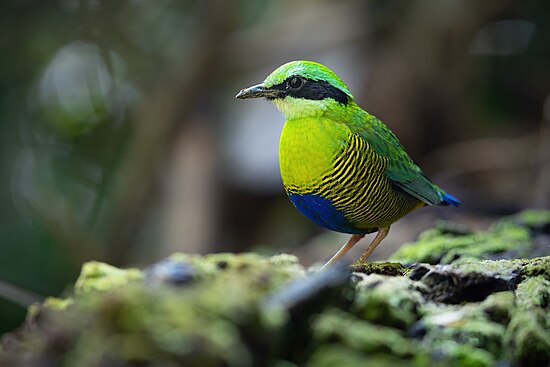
(401, 169)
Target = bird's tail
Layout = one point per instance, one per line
(448, 199)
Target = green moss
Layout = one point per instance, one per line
(342, 356)
(471, 324)
(456, 354)
(97, 276)
(519, 268)
(534, 293)
(204, 323)
(438, 245)
(211, 265)
(352, 341)
(473, 334)
(528, 339)
(57, 304)
(528, 333)
(478, 333)
(50, 303)
(532, 218)
(219, 317)
(503, 268)
(382, 268)
(499, 306)
(529, 343)
(337, 355)
(137, 324)
(390, 301)
(347, 330)
(464, 335)
(536, 267)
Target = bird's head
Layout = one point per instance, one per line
(301, 89)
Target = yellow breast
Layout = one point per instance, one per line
(308, 149)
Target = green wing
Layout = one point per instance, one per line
(401, 169)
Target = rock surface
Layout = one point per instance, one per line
(450, 299)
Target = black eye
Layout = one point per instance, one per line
(295, 82)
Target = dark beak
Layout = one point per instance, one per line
(258, 91)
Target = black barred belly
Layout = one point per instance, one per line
(322, 212)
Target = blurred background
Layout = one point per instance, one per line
(121, 139)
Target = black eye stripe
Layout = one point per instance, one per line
(313, 90)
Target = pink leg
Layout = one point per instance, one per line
(382, 233)
(351, 242)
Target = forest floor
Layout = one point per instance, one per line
(454, 297)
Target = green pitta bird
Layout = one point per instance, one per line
(341, 167)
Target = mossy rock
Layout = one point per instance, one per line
(528, 332)
(339, 327)
(391, 301)
(510, 237)
(381, 268)
(127, 317)
(251, 310)
(438, 246)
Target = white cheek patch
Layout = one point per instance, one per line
(293, 108)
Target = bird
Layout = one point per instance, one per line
(341, 167)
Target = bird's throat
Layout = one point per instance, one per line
(296, 108)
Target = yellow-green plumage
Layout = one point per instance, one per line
(318, 156)
(341, 167)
